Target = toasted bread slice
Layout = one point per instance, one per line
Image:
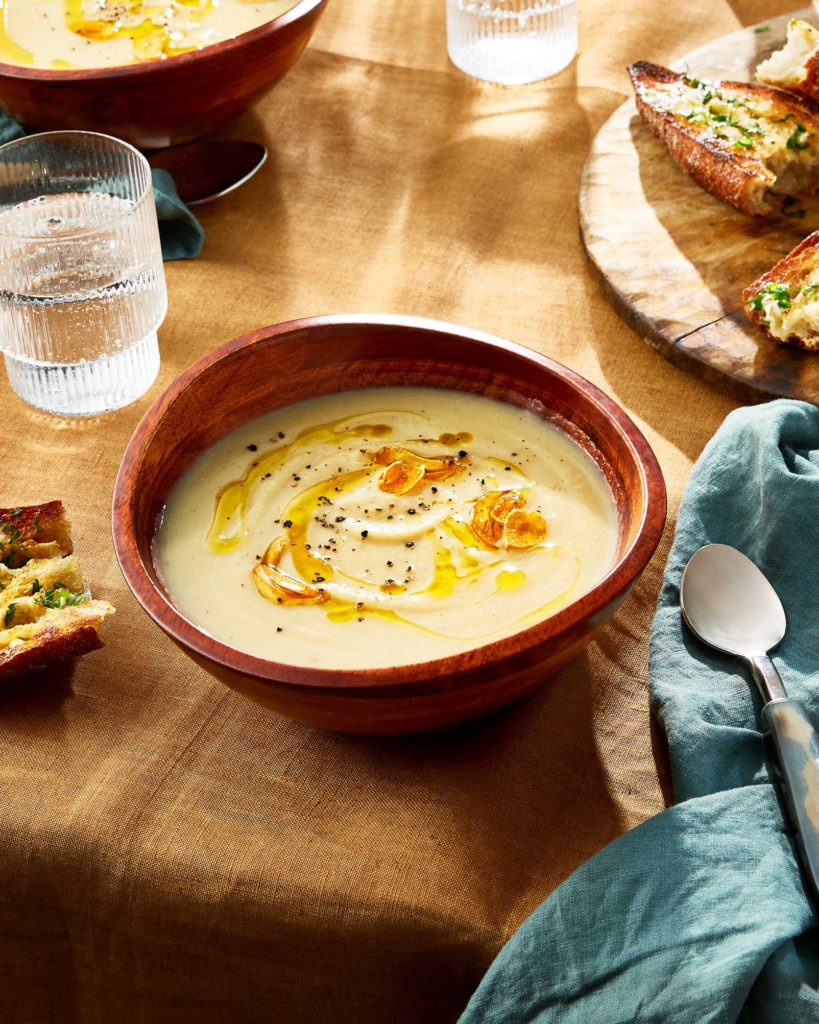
(796, 66)
(46, 612)
(785, 301)
(740, 141)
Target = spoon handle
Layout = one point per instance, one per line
(797, 747)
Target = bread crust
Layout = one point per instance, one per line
(737, 178)
(809, 86)
(50, 646)
(790, 271)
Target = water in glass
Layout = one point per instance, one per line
(82, 292)
(511, 42)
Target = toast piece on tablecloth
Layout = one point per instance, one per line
(47, 614)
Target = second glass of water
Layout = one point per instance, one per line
(511, 42)
(82, 284)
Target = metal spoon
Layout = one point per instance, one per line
(209, 168)
(730, 605)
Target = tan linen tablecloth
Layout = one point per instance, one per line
(170, 852)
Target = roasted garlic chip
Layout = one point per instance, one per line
(500, 517)
(490, 511)
(524, 529)
(508, 501)
(392, 453)
(274, 552)
(407, 472)
(279, 587)
(441, 469)
(401, 477)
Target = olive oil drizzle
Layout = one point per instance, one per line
(228, 531)
(146, 23)
(313, 569)
(151, 36)
(298, 514)
(445, 576)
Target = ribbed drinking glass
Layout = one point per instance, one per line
(82, 285)
(511, 42)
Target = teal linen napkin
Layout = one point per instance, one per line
(700, 914)
(181, 234)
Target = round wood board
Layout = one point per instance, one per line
(673, 260)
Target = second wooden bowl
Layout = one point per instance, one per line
(162, 102)
(287, 363)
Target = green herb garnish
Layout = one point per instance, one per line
(8, 618)
(11, 531)
(780, 293)
(762, 28)
(798, 140)
(36, 586)
(810, 290)
(744, 144)
(59, 596)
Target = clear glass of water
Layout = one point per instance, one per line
(82, 285)
(511, 42)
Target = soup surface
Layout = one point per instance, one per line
(101, 33)
(384, 527)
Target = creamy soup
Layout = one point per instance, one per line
(384, 527)
(101, 33)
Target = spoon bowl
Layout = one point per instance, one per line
(729, 603)
(209, 168)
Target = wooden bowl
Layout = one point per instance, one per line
(289, 362)
(162, 102)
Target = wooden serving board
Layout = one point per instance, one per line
(673, 260)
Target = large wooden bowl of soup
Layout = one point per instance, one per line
(153, 72)
(381, 524)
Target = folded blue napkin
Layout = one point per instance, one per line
(180, 232)
(700, 914)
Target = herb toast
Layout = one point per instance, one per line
(740, 141)
(46, 612)
(784, 302)
(796, 66)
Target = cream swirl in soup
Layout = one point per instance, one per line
(64, 34)
(384, 527)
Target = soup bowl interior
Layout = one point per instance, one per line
(157, 103)
(287, 363)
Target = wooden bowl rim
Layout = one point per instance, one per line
(190, 637)
(300, 9)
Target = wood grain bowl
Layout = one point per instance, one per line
(162, 102)
(290, 362)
